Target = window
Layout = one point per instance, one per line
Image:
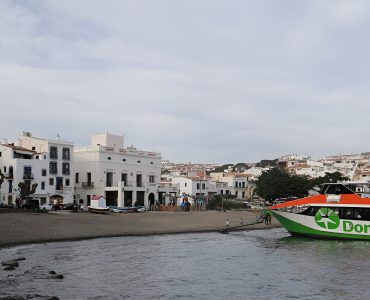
(138, 161)
(203, 186)
(43, 172)
(4, 169)
(109, 179)
(10, 189)
(151, 162)
(124, 159)
(124, 178)
(27, 172)
(198, 186)
(77, 179)
(243, 185)
(59, 183)
(33, 148)
(53, 152)
(66, 154)
(88, 175)
(51, 181)
(67, 182)
(236, 184)
(0, 153)
(186, 184)
(65, 168)
(53, 167)
(109, 158)
(43, 185)
(151, 178)
(139, 180)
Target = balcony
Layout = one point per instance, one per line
(28, 176)
(87, 185)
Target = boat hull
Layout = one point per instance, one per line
(303, 225)
(98, 210)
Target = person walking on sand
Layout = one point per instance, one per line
(227, 222)
(269, 219)
(241, 221)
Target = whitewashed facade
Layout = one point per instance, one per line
(49, 163)
(124, 176)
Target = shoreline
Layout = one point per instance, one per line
(34, 228)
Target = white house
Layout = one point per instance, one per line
(196, 187)
(48, 163)
(124, 176)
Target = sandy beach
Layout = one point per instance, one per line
(23, 228)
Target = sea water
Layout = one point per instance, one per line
(261, 264)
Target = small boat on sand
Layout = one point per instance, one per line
(98, 205)
(117, 209)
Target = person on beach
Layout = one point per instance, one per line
(227, 222)
(241, 221)
(269, 219)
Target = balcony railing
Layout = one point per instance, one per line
(28, 176)
(87, 184)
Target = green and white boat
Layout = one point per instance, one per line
(339, 211)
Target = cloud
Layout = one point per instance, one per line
(211, 81)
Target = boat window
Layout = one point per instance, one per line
(346, 213)
(335, 209)
(310, 211)
(335, 189)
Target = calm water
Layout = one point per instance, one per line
(266, 264)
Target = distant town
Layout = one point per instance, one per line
(126, 176)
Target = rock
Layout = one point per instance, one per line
(53, 298)
(58, 276)
(11, 263)
(52, 272)
(20, 259)
(9, 268)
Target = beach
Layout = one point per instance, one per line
(32, 227)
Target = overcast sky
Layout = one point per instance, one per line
(202, 81)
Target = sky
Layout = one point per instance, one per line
(212, 81)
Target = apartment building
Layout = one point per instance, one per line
(49, 163)
(124, 176)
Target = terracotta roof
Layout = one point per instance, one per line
(96, 197)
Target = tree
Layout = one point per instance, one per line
(328, 178)
(26, 189)
(276, 183)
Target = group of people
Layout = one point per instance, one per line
(265, 217)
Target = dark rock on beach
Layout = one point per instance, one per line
(10, 263)
(20, 258)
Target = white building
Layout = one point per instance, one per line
(49, 163)
(198, 188)
(124, 176)
(237, 183)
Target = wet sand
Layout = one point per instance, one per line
(23, 228)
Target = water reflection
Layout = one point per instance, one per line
(255, 264)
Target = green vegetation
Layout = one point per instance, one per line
(26, 189)
(223, 202)
(267, 163)
(276, 183)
